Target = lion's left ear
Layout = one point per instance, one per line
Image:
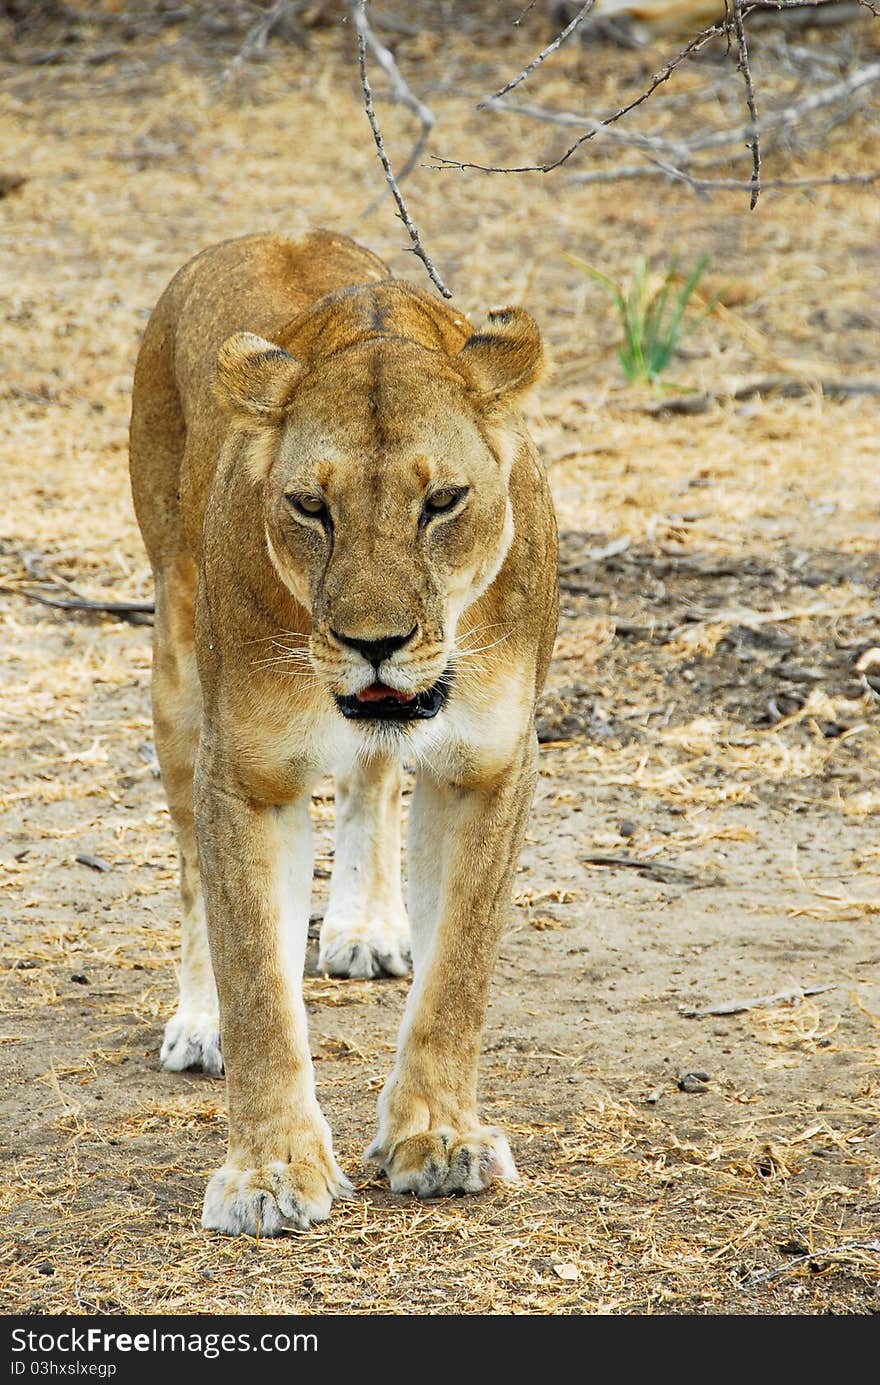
(506, 357)
(255, 379)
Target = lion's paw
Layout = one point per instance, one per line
(365, 950)
(441, 1162)
(277, 1197)
(192, 1042)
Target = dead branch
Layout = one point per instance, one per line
(658, 168)
(694, 46)
(134, 611)
(835, 5)
(761, 1002)
(402, 93)
(744, 66)
(783, 385)
(672, 157)
(545, 53)
(845, 1251)
(364, 37)
(399, 87)
(778, 121)
(98, 863)
(258, 36)
(663, 871)
(794, 389)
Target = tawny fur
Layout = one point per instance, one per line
(270, 371)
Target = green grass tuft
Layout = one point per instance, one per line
(651, 315)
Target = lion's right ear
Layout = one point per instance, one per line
(255, 379)
(505, 358)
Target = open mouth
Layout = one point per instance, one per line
(381, 703)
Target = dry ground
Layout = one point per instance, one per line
(711, 712)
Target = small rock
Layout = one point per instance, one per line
(693, 1081)
(80, 978)
(46, 1268)
(627, 828)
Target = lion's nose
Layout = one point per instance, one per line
(374, 651)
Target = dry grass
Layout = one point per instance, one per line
(615, 1214)
(635, 1198)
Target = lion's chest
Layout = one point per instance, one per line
(283, 752)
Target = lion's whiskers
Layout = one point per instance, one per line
(461, 652)
(280, 635)
(286, 661)
(477, 629)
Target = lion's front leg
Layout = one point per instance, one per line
(365, 931)
(464, 844)
(256, 871)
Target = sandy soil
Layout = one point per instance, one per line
(710, 718)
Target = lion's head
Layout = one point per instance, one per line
(383, 465)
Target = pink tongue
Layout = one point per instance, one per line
(377, 692)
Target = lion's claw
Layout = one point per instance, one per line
(275, 1198)
(444, 1162)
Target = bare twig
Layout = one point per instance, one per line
(679, 150)
(663, 871)
(754, 142)
(752, 619)
(403, 93)
(93, 862)
(781, 119)
(761, 1002)
(257, 36)
(783, 385)
(520, 17)
(658, 167)
(830, 1254)
(657, 80)
(805, 5)
(545, 53)
(793, 389)
(364, 35)
(125, 610)
(625, 172)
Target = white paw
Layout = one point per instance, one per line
(364, 950)
(275, 1198)
(441, 1162)
(192, 1041)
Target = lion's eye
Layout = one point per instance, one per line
(310, 505)
(442, 501)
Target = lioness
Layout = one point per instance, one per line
(355, 561)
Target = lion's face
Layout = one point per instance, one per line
(384, 480)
